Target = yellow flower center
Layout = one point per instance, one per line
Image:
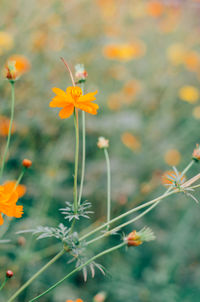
(76, 92)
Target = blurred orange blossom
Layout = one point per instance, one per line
(73, 98)
(4, 126)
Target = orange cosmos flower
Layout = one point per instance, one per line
(8, 199)
(73, 98)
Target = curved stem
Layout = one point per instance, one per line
(78, 269)
(76, 160)
(83, 153)
(36, 275)
(108, 186)
(10, 127)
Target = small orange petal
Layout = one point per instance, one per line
(89, 97)
(59, 91)
(66, 112)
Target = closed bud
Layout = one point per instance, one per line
(137, 238)
(80, 73)
(27, 163)
(102, 142)
(196, 153)
(9, 274)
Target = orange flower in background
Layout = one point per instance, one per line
(192, 61)
(130, 141)
(155, 8)
(6, 42)
(73, 98)
(189, 94)
(124, 52)
(16, 66)
(172, 157)
(9, 196)
(4, 126)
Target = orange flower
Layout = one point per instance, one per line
(16, 65)
(20, 189)
(124, 52)
(4, 126)
(73, 98)
(155, 8)
(8, 198)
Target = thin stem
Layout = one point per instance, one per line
(123, 225)
(83, 153)
(108, 186)
(188, 167)
(68, 68)
(36, 275)
(128, 213)
(167, 193)
(76, 160)
(79, 268)
(3, 284)
(20, 177)
(10, 127)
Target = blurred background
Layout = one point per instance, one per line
(143, 57)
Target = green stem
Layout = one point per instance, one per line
(20, 177)
(188, 167)
(128, 213)
(83, 153)
(3, 284)
(108, 186)
(79, 268)
(36, 275)
(10, 127)
(76, 160)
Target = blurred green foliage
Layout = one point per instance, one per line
(138, 56)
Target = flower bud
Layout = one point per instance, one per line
(102, 142)
(27, 163)
(137, 238)
(11, 71)
(100, 297)
(133, 239)
(9, 274)
(80, 73)
(196, 153)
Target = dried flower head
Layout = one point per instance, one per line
(196, 153)
(102, 142)
(80, 73)
(137, 238)
(173, 178)
(71, 99)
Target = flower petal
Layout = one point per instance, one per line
(88, 107)
(66, 111)
(1, 219)
(89, 97)
(58, 102)
(59, 91)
